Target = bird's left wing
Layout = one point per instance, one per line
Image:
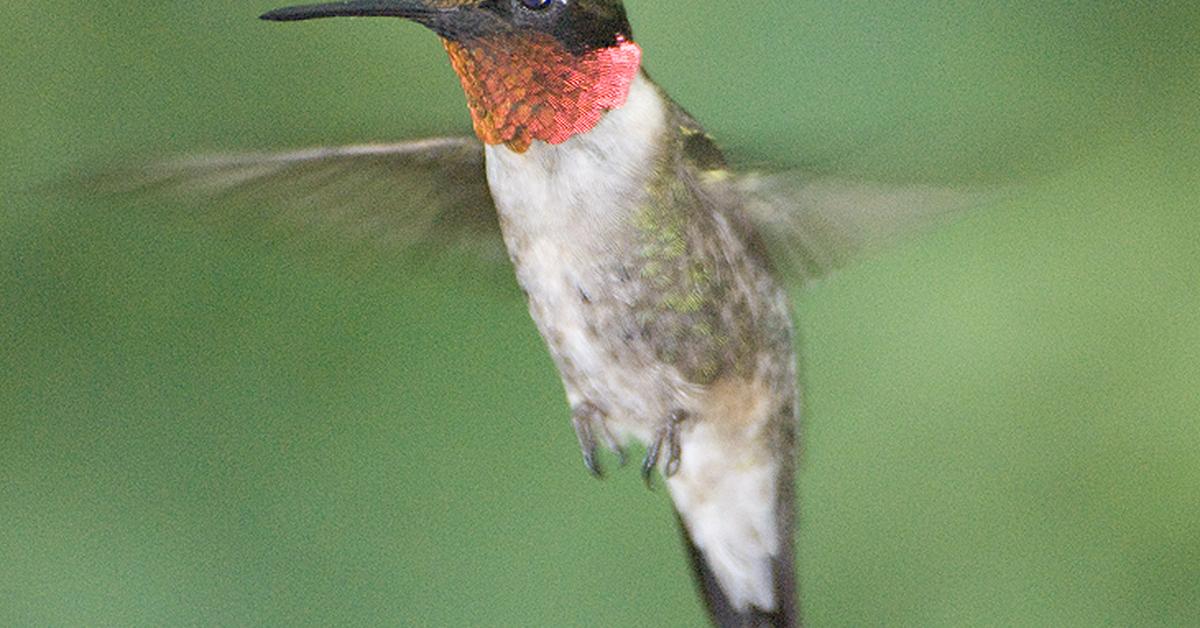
(815, 224)
(396, 197)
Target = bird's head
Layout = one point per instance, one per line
(532, 69)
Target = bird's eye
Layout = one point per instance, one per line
(536, 5)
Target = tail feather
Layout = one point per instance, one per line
(723, 613)
(736, 519)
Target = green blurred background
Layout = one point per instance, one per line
(1002, 421)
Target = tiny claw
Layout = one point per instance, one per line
(668, 436)
(622, 459)
(650, 462)
(614, 446)
(593, 467)
(674, 450)
(673, 461)
(587, 443)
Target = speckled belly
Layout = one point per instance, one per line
(595, 339)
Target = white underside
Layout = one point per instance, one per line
(558, 205)
(561, 207)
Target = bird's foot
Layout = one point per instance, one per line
(589, 421)
(666, 442)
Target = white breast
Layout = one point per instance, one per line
(577, 188)
(560, 206)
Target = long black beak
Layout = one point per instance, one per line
(417, 10)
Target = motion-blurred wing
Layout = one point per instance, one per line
(813, 225)
(398, 197)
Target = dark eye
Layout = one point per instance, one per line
(536, 5)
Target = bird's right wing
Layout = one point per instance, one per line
(377, 197)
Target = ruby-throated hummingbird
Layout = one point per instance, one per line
(653, 272)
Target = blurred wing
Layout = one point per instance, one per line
(396, 197)
(813, 225)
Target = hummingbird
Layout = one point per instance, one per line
(655, 273)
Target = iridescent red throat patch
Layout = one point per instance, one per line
(531, 88)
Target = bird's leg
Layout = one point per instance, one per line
(589, 421)
(667, 438)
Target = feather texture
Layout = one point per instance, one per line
(813, 225)
(389, 199)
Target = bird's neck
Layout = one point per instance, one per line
(592, 181)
